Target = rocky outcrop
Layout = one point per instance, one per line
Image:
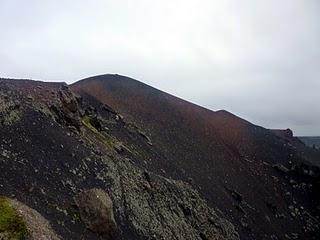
(9, 110)
(154, 207)
(66, 109)
(284, 133)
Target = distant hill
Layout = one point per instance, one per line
(311, 141)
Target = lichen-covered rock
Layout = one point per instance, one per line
(155, 207)
(96, 211)
(9, 110)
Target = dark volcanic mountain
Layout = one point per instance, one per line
(159, 167)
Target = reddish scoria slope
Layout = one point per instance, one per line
(230, 160)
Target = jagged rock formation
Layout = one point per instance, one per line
(172, 170)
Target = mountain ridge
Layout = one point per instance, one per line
(206, 138)
(148, 147)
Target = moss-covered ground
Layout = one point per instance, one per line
(12, 226)
(106, 139)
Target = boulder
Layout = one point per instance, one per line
(96, 211)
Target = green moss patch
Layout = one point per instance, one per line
(87, 122)
(12, 225)
(106, 139)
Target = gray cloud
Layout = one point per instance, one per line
(258, 59)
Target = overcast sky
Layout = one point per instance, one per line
(259, 59)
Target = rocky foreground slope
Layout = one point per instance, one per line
(112, 158)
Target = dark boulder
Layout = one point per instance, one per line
(96, 211)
